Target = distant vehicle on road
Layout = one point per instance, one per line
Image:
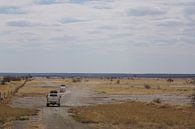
(62, 88)
(53, 98)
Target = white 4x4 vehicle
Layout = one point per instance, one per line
(53, 98)
(62, 88)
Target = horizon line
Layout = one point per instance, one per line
(84, 73)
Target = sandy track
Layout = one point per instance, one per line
(58, 118)
(52, 117)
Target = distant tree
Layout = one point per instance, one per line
(48, 77)
(9, 79)
(118, 81)
(193, 81)
(6, 79)
(170, 80)
(2, 82)
(76, 80)
(146, 86)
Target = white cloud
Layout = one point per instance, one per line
(146, 11)
(22, 23)
(50, 17)
(16, 2)
(106, 25)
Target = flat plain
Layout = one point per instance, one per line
(101, 103)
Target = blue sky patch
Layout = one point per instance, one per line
(11, 10)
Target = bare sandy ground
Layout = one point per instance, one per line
(76, 95)
(52, 117)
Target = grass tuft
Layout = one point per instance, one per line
(157, 100)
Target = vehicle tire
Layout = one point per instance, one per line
(47, 104)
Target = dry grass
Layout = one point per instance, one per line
(41, 86)
(7, 90)
(35, 125)
(8, 113)
(54, 81)
(137, 86)
(10, 86)
(141, 90)
(34, 91)
(137, 115)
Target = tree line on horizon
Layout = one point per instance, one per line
(7, 79)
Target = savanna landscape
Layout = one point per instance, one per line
(97, 64)
(100, 103)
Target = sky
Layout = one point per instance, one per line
(97, 36)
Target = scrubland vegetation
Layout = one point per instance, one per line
(8, 113)
(9, 86)
(76, 80)
(115, 114)
(148, 86)
(139, 115)
(8, 79)
(136, 115)
(38, 87)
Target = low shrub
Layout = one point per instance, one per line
(170, 80)
(118, 82)
(76, 80)
(193, 99)
(6, 79)
(157, 100)
(147, 86)
(2, 82)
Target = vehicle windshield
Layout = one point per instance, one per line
(53, 95)
(53, 91)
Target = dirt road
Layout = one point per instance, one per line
(52, 117)
(75, 95)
